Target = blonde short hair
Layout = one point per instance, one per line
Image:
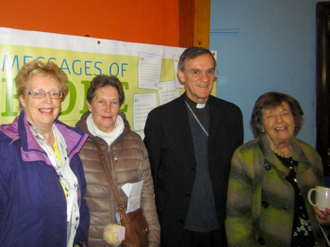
(38, 68)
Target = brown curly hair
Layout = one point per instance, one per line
(271, 100)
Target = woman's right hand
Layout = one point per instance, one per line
(322, 217)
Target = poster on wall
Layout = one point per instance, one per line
(147, 72)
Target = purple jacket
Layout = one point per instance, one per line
(32, 202)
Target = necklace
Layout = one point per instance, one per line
(207, 134)
(284, 156)
(287, 161)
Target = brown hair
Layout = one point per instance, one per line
(193, 52)
(271, 100)
(102, 81)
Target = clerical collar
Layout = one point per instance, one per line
(200, 106)
(194, 104)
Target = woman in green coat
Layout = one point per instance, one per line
(270, 178)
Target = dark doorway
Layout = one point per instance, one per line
(323, 84)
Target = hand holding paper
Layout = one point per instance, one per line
(133, 192)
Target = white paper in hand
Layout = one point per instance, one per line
(133, 192)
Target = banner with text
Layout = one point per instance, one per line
(147, 72)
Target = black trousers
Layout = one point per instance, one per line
(215, 238)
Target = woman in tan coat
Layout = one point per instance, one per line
(126, 156)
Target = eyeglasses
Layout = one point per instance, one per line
(200, 73)
(39, 94)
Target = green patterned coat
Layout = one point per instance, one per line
(260, 200)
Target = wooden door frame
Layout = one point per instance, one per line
(323, 84)
(194, 23)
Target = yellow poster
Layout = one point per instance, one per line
(147, 72)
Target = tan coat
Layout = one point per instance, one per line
(128, 162)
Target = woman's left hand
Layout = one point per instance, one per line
(322, 217)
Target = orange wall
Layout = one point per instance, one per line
(142, 21)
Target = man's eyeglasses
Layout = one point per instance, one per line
(39, 94)
(200, 73)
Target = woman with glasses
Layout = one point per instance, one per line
(42, 182)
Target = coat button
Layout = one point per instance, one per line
(264, 204)
(192, 169)
(181, 222)
(261, 241)
(188, 195)
(268, 167)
